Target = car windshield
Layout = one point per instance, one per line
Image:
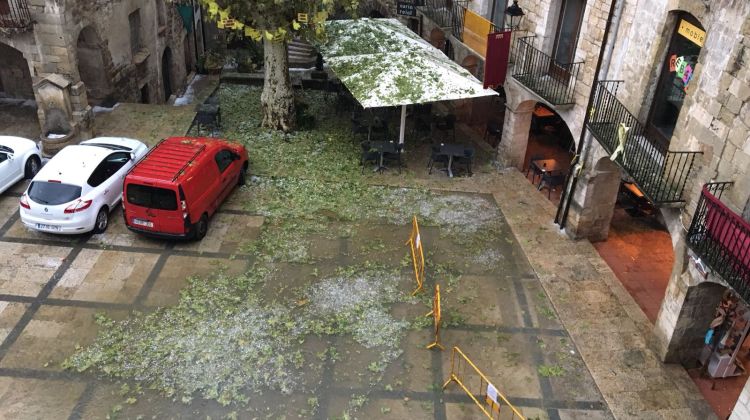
(151, 197)
(53, 193)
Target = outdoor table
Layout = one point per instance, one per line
(451, 150)
(382, 147)
(551, 166)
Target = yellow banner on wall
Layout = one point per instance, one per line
(695, 34)
(476, 29)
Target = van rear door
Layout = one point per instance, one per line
(153, 208)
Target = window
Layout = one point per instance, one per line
(109, 166)
(4, 7)
(134, 20)
(498, 13)
(677, 70)
(151, 197)
(53, 193)
(3, 157)
(568, 28)
(223, 159)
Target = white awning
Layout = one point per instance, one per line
(383, 63)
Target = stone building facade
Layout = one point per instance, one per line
(680, 78)
(109, 51)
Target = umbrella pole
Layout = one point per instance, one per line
(403, 125)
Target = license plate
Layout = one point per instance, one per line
(41, 226)
(141, 222)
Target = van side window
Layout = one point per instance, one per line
(109, 166)
(223, 159)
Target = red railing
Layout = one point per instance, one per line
(14, 14)
(721, 238)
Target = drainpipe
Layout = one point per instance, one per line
(567, 198)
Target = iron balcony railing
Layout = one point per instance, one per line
(660, 174)
(446, 13)
(551, 80)
(721, 238)
(14, 14)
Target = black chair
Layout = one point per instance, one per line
(379, 127)
(358, 128)
(447, 123)
(550, 182)
(467, 159)
(531, 167)
(493, 131)
(436, 156)
(368, 155)
(394, 157)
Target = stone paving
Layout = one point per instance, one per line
(50, 288)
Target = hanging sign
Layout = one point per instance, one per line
(406, 8)
(693, 33)
(476, 29)
(496, 62)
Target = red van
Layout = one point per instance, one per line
(179, 184)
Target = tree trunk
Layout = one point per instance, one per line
(277, 99)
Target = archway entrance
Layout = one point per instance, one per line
(15, 78)
(166, 73)
(18, 111)
(90, 54)
(549, 151)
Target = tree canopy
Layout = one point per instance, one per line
(276, 20)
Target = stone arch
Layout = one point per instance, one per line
(166, 73)
(698, 303)
(15, 76)
(471, 63)
(90, 53)
(437, 38)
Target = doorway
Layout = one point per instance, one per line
(91, 65)
(166, 70)
(676, 73)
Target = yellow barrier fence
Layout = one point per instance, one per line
(417, 255)
(487, 397)
(436, 315)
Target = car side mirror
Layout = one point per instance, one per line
(132, 156)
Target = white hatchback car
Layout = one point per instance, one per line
(19, 159)
(75, 191)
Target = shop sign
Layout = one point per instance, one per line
(693, 33)
(406, 8)
(496, 63)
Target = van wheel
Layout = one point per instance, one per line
(32, 167)
(243, 176)
(201, 228)
(102, 220)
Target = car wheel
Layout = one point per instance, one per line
(201, 228)
(32, 167)
(243, 176)
(102, 220)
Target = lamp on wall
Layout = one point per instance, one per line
(513, 16)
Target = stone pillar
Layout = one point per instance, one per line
(686, 311)
(593, 202)
(512, 148)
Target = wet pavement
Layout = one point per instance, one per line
(542, 316)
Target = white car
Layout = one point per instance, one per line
(19, 159)
(76, 190)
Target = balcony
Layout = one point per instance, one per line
(14, 14)
(659, 173)
(554, 82)
(446, 13)
(721, 238)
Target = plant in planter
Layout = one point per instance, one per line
(214, 62)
